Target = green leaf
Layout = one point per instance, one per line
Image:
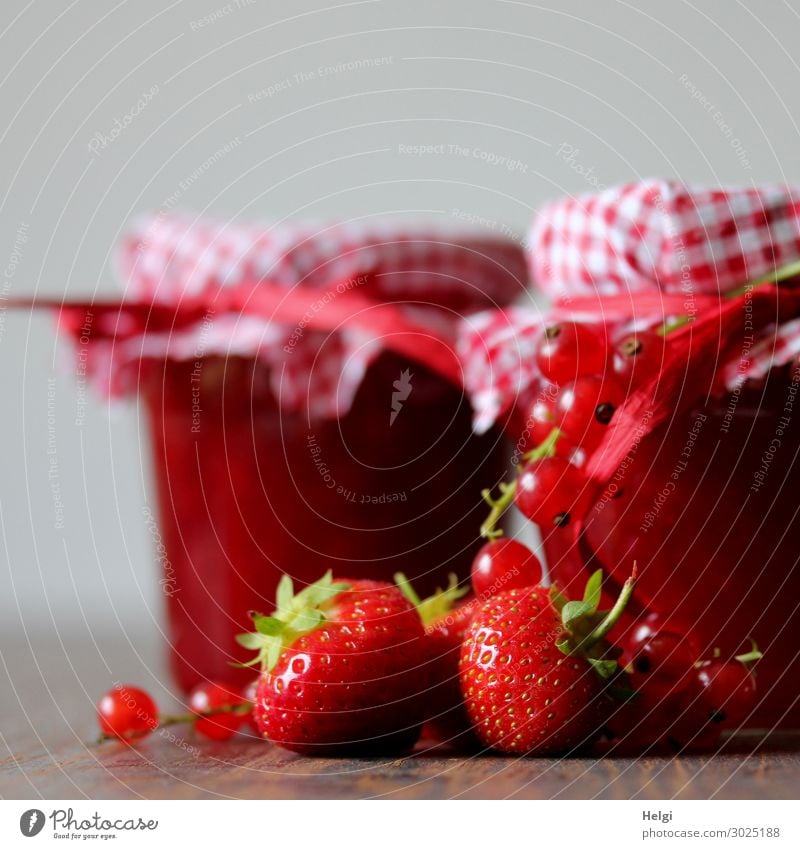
(273, 655)
(574, 610)
(285, 593)
(304, 621)
(404, 585)
(604, 668)
(564, 646)
(318, 593)
(268, 625)
(557, 598)
(591, 594)
(250, 641)
(437, 605)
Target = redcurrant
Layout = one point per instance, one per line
(728, 691)
(638, 355)
(661, 663)
(504, 564)
(127, 712)
(567, 350)
(586, 407)
(541, 420)
(224, 719)
(553, 492)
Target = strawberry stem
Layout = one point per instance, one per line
(435, 606)
(613, 615)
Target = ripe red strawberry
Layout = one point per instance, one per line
(340, 669)
(445, 625)
(534, 668)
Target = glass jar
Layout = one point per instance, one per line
(707, 507)
(248, 491)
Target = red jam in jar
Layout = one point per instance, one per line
(248, 491)
(707, 507)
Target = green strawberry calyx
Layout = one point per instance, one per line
(296, 614)
(585, 626)
(435, 606)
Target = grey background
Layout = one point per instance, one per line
(581, 93)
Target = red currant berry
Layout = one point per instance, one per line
(552, 492)
(504, 564)
(541, 420)
(586, 407)
(567, 350)
(222, 724)
(661, 663)
(127, 712)
(728, 691)
(638, 355)
(570, 451)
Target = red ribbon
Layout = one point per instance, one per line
(694, 355)
(324, 310)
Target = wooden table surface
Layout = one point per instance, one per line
(47, 692)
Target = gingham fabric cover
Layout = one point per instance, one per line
(653, 236)
(179, 259)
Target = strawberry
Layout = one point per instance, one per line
(445, 625)
(535, 668)
(340, 669)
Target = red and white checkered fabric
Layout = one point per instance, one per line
(435, 274)
(653, 236)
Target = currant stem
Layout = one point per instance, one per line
(165, 720)
(498, 507)
(546, 448)
(785, 272)
(613, 615)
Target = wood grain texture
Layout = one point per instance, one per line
(49, 688)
